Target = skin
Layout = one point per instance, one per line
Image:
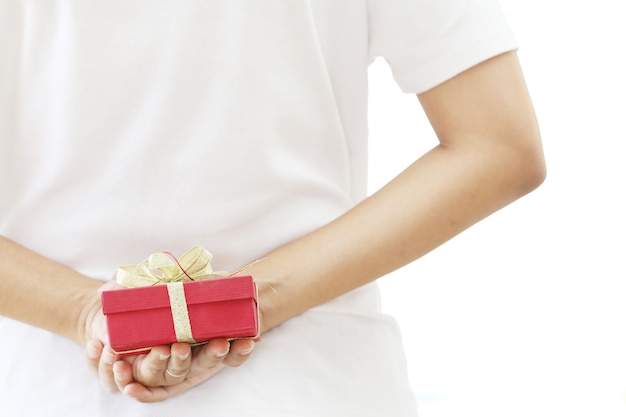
(489, 154)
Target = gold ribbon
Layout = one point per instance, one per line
(164, 268)
(180, 314)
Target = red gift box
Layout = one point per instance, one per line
(139, 318)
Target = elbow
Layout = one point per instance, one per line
(530, 171)
(538, 174)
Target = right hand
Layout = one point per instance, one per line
(168, 371)
(163, 372)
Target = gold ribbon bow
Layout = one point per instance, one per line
(164, 268)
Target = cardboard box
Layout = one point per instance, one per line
(139, 318)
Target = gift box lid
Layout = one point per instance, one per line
(196, 292)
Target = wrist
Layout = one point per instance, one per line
(282, 292)
(268, 286)
(88, 307)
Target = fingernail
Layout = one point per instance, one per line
(184, 356)
(164, 357)
(221, 354)
(247, 351)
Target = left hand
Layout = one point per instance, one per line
(165, 371)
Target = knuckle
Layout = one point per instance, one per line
(151, 368)
(154, 371)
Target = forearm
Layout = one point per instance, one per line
(436, 198)
(40, 292)
(489, 155)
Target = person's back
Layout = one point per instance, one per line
(133, 127)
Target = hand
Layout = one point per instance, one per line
(100, 357)
(168, 371)
(165, 371)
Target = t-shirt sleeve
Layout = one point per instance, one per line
(427, 42)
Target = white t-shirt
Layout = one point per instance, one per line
(129, 127)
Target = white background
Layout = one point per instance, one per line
(525, 313)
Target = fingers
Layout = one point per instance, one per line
(117, 375)
(212, 354)
(163, 365)
(105, 368)
(166, 370)
(179, 363)
(122, 374)
(240, 351)
(93, 350)
(144, 394)
(105, 363)
(207, 360)
(220, 352)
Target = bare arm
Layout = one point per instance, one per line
(44, 293)
(489, 155)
